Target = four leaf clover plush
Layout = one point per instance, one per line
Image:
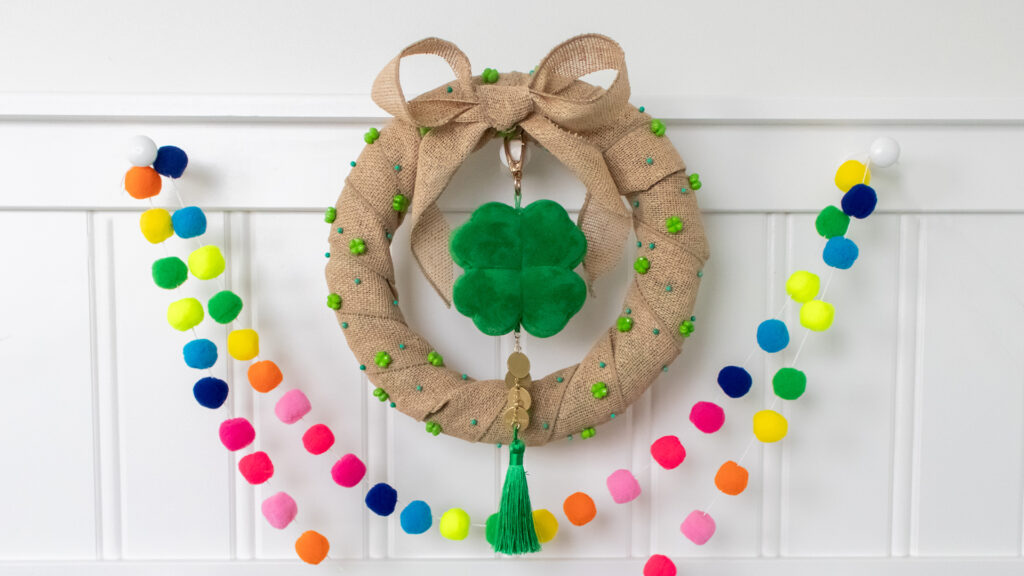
(519, 268)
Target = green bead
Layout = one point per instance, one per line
(664, 368)
(668, 288)
(401, 346)
(341, 230)
(651, 245)
(657, 127)
(546, 426)
(344, 325)
(449, 90)
(393, 404)
(362, 366)
(649, 160)
(641, 109)
(371, 136)
(357, 246)
(629, 310)
(398, 167)
(352, 163)
(601, 364)
(170, 272)
(700, 273)
(330, 214)
(419, 388)
(624, 324)
(358, 281)
(465, 376)
(388, 235)
(789, 383)
(612, 415)
(656, 331)
(399, 202)
(327, 254)
(639, 243)
(435, 359)
(334, 302)
(587, 433)
(381, 394)
(425, 129)
(686, 328)
(696, 185)
(559, 379)
(490, 76)
(382, 359)
(832, 222)
(433, 428)
(636, 204)
(683, 190)
(394, 302)
(694, 178)
(472, 422)
(599, 390)
(642, 265)
(674, 224)
(693, 318)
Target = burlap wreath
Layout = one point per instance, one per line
(607, 143)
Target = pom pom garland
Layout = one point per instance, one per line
(817, 315)
(789, 383)
(734, 381)
(732, 478)
(491, 529)
(318, 439)
(623, 487)
(243, 344)
(279, 510)
(770, 426)
(200, 354)
(707, 417)
(141, 151)
(381, 499)
(659, 565)
(860, 201)
(348, 471)
(224, 306)
(772, 335)
(668, 452)
(170, 272)
(840, 252)
(189, 222)
(832, 222)
(206, 263)
(415, 517)
(170, 161)
(546, 525)
(256, 468)
(236, 433)
(156, 225)
(142, 182)
(698, 527)
(579, 508)
(454, 524)
(803, 286)
(884, 152)
(292, 406)
(264, 376)
(312, 547)
(184, 314)
(851, 173)
(210, 392)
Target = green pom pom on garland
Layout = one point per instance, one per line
(225, 306)
(170, 272)
(832, 222)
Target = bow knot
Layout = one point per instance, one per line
(505, 105)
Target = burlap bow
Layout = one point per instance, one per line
(551, 106)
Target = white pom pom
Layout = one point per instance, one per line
(884, 152)
(141, 151)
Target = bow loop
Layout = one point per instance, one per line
(427, 110)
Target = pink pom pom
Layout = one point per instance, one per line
(236, 433)
(698, 527)
(659, 565)
(256, 468)
(279, 510)
(348, 471)
(318, 439)
(623, 486)
(668, 451)
(708, 417)
(292, 406)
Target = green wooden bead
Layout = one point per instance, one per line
(334, 301)
(642, 265)
(686, 328)
(658, 127)
(358, 281)
(700, 273)
(435, 359)
(344, 325)
(489, 76)
(419, 388)
(673, 224)
(601, 364)
(433, 428)
(559, 379)
(357, 246)
(449, 90)
(641, 109)
(599, 390)
(649, 160)
(382, 359)
(371, 136)
(696, 185)
(341, 230)
(624, 324)
(425, 129)
(656, 331)
(587, 433)
(399, 202)
(472, 422)
(330, 214)
(398, 167)
(352, 163)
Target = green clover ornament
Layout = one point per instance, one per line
(519, 268)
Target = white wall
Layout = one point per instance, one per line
(905, 456)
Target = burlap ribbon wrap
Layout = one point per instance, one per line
(606, 143)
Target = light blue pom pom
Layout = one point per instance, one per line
(200, 354)
(416, 518)
(772, 335)
(189, 222)
(840, 252)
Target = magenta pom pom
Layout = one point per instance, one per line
(623, 486)
(698, 527)
(668, 451)
(256, 468)
(292, 406)
(708, 417)
(318, 439)
(348, 471)
(236, 433)
(279, 510)
(659, 565)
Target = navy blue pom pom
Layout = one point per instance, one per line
(772, 335)
(210, 392)
(735, 381)
(860, 201)
(381, 499)
(189, 222)
(170, 161)
(840, 252)
(416, 518)
(200, 353)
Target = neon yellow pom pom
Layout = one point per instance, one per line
(185, 314)
(206, 262)
(454, 524)
(817, 315)
(851, 173)
(546, 525)
(156, 225)
(244, 344)
(803, 285)
(770, 426)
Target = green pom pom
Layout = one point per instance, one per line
(170, 272)
(789, 383)
(224, 306)
(491, 529)
(832, 222)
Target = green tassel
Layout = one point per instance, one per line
(516, 533)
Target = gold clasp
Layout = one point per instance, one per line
(516, 166)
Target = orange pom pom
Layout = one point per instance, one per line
(732, 478)
(579, 508)
(312, 547)
(142, 182)
(264, 376)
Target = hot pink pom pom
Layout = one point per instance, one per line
(698, 527)
(348, 471)
(279, 510)
(236, 433)
(659, 565)
(292, 406)
(318, 439)
(256, 468)
(623, 486)
(668, 451)
(708, 417)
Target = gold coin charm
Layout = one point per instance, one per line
(516, 416)
(519, 365)
(510, 380)
(521, 397)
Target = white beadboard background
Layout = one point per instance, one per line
(906, 455)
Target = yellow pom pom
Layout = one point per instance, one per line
(244, 344)
(852, 173)
(206, 263)
(454, 524)
(546, 525)
(817, 315)
(803, 286)
(770, 426)
(185, 314)
(156, 225)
